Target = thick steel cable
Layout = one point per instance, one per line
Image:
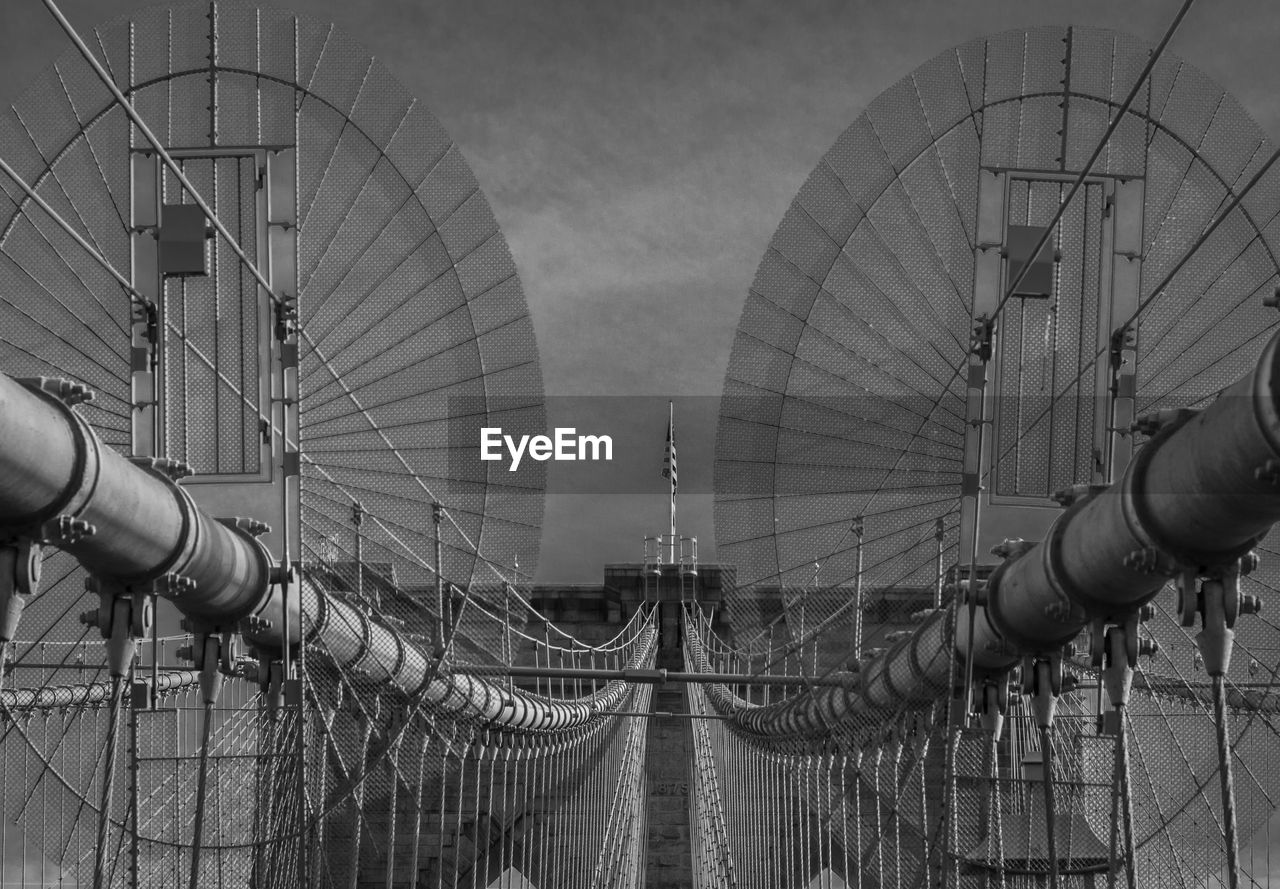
(393, 768)
(1050, 813)
(444, 784)
(108, 783)
(829, 622)
(1118, 799)
(1254, 712)
(202, 783)
(997, 811)
(1222, 734)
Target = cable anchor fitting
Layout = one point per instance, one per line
(122, 617)
(20, 562)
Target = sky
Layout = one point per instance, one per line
(638, 157)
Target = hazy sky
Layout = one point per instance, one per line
(639, 156)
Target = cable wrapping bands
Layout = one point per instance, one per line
(356, 640)
(911, 675)
(52, 697)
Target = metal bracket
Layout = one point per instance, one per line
(1120, 659)
(286, 317)
(121, 617)
(1150, 560)
(1042, 682)
(1150, 424)
(1218, 605)
(68, 392)
(171, 585)
(252, 527)
(271, 682)
(1069, 496)
(64, 530)
(993, 704)
(174, 470)
(255, 625)
(215, 655)
(20, 563)
(1012, 548)
(980, 343)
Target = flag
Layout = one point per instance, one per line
(669, 459)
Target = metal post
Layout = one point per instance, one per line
(357, 519)
(437, 516)
(858, 529)
(939, 533)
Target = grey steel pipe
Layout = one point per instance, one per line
(147, 531)
(356, 640)
(1197, 497)
(1201, 493)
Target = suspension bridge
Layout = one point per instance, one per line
(996, 475)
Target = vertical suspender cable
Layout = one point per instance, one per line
(108, 783)
(1226, 779)
(202, 784)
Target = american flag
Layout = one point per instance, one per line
(669, 459)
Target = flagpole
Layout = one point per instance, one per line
(671, 427)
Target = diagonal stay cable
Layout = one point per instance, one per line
(324, 360)
(1194, 248)
(134, 294)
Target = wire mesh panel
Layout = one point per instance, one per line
(213, 398)
(408, 299)
(843, 438)
(327, 175)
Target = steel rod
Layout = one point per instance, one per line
(94, 254)
(647, 676)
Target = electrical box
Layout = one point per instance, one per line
(182, 240)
